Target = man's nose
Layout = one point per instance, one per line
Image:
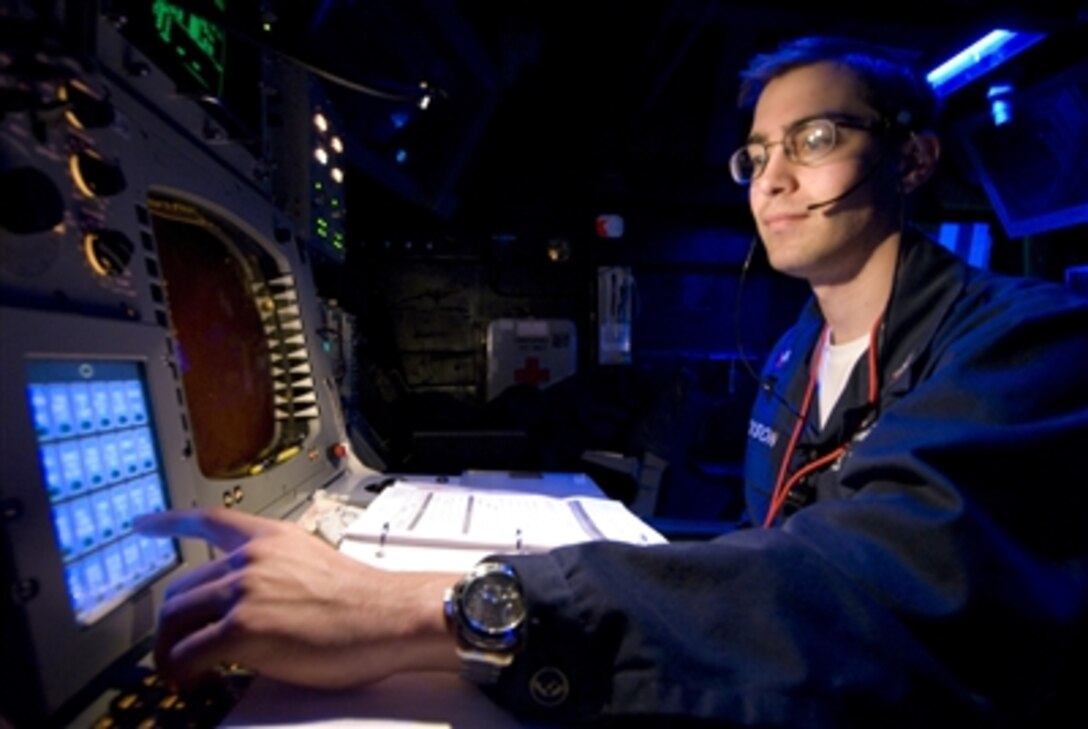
(777, 175)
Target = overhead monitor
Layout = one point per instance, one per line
(1034, 165)
(207, 49)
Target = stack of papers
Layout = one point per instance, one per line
(424, 526)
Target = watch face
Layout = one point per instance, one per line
(493, 603)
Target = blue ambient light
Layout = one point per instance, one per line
(983, 55)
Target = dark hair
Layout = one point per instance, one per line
(893, 87)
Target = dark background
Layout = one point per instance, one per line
(544, 115)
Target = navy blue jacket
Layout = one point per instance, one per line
(936, 573)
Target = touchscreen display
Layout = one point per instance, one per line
(100, 466)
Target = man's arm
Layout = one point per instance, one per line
(288, 606)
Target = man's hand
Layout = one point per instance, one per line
(285, 604)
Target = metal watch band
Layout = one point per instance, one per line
(483, 655)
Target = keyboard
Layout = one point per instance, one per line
(145, 701)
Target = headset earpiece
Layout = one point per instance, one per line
(918, 159)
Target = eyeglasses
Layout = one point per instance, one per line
(805, 143)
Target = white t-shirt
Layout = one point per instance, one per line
(836, 364)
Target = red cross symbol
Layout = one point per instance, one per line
(531, 373)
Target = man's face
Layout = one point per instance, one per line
(828, 244)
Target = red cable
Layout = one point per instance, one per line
(782, 485)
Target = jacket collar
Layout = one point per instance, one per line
(929, 279)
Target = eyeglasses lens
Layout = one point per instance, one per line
(810, 141)
(804, 144)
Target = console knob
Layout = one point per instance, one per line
(86, 109)
(96, 176)
(108, 251)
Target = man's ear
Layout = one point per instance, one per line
(918, 160)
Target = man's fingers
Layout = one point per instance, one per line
(196, 655)
(200, 575)
(222, 528)
(197, 610)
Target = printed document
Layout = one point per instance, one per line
(433, 527)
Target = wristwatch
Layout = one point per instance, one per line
(487, 613)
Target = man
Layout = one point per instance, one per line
(918, 551)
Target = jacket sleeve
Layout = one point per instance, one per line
(946, 588)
